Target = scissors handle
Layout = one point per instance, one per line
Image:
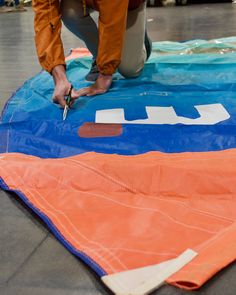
(69, 98)
(68, 101)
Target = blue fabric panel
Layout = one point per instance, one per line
(32, 124)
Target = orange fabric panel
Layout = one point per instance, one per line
(127, 212)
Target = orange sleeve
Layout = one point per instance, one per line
(112, 27)
(47, 25)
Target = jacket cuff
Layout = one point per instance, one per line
(50, 66)
(108, 69)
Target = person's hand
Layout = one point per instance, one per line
(101, 86)
(62, 86)
(61, 90)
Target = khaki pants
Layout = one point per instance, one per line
(133, 53)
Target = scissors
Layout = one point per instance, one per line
(68, 101)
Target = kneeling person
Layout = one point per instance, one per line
(120, 41)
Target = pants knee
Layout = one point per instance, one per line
(71, 13)
(130, 72)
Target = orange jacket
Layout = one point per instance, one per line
(112, 26)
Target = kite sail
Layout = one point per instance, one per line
(138, 182)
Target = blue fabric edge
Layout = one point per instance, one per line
(84, 257)
(4, 110)
(8, 102)
(5, 107)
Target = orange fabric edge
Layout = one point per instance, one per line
(77, 53)
(213, 256)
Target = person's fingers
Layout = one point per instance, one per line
(87, 91)
(96, 92)
(55, 101)
(82, 92)
(78, 93)
(59, 99)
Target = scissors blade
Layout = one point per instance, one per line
(65, 112)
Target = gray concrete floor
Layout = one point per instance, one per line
(32, 261)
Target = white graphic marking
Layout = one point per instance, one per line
(210, 114)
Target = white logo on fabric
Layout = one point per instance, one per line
(210, 114)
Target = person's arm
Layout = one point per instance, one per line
(112, 28)
(47, 24)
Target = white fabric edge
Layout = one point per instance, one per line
(159, 273)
